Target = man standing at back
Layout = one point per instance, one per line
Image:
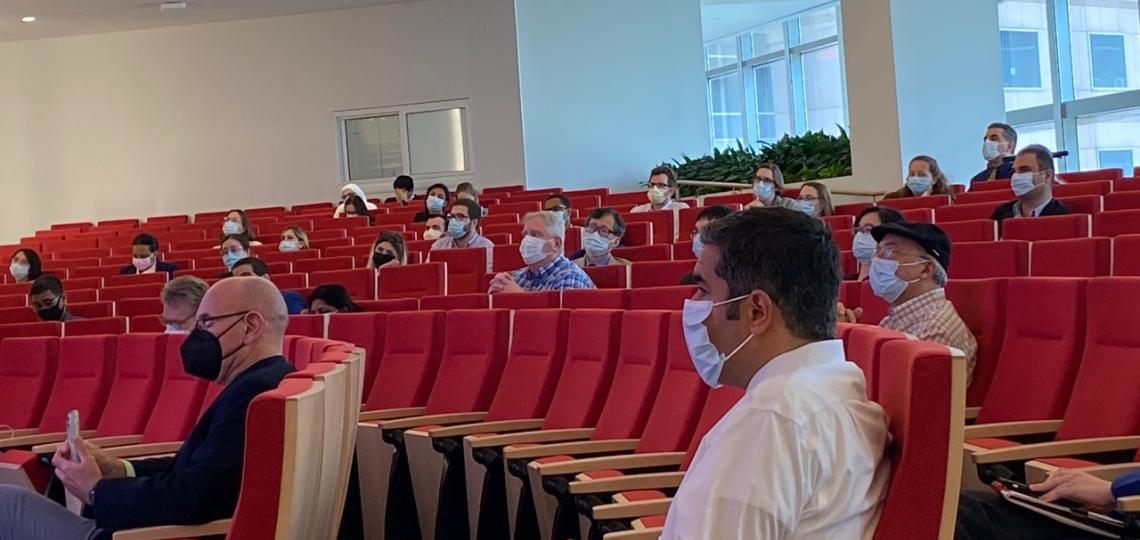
(238, 343)
(801, 454)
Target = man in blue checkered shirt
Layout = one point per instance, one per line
(547, 268)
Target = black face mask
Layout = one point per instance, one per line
(54, 313)
(380, 259)
(202, 353)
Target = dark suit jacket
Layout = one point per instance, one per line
(1004, 171)
(130, 270)
(1054, 208)
(201, 482)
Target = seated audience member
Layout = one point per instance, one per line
(547, 268)
(48, 299)
(603, 232)
(144, 249)
(236, 222)
(863, 245)
(662, 189)
(254, 267)
(815, 200)
(800, 455)
(1032, 182)
(924, 177)
(347, 192)
(466, 190)
(988, 516)
(708, 215)
(237, 342)
(434, 227)
(767, 184)
(998, 145)
(436, 201)
(909, 272)
(404, 188)
(560, 203)
(388, 250)
(463, 230)
(180, 300)
(354, 206)
(25, 265)
(234, 248)
(331, 299)
(293, 238)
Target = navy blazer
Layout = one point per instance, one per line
(130, 269)
(201, 482)
(1004, 171)
(1054, 208)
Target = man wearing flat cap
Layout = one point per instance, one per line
(909, 272)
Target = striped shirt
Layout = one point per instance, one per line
(931, 317)
(556, 275)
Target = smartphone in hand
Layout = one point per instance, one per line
(73, 435)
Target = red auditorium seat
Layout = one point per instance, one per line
(1091, 176)
(290, 281)
(981, 303)
(15, 301)
(735, 198)
(147, 324)
(412, 281)
(683, 251)
(27, 371)
(31, 329)
(614, 276)
(971, 230)
(365, 330)
(361, 283)
(388, 306)
(520, 208)
(595, 298)
(973, 260)
(619, 199)
(975, 197)
(664, 224)
(863, 347)
(658, 274)
(503, 190)
(408, 365)
(657, 252)
(456, 301)
(1047, 227)
(95, 327)
(94, 253)
(306, 325)
(1096, 187)
(1126, 255)
(850, 293)
(919, 215)
(670, 298)
(839, 222)
(1083, 204)
(137, 279)
(18, 315)
(851, 209)
(1116, 223)
(465, 268)
(505, 219)
(1127, 200)
(170, 220)
(323, 264)
(527, 300)
(1077, 257)
(81, 283)
(963, 212)
(909, 203)
(992, 185)
(149, 290)
(638, 234)
(138, 306)
(599, 192)
(1127, 183)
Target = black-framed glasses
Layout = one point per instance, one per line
(458, 217)
(203, 321)
(600, 230)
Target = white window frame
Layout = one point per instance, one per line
(452, 177)
(1092, 65)
(1041, 73)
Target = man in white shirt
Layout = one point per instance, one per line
(801, 454)
(662, 189)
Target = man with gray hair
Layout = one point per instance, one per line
(180, 299)
(547, 268)
(1032, 182)
(909, 272)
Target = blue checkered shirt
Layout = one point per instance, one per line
(557, 275)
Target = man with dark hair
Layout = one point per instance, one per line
(801, 454)
(463, 229)
(708, 215)
(252, 266)
(998, 145)
(404, 188)
(144, 249)
(662, 190)
(603, 232)
(557, 202)
(48, 299)
(1032, 182)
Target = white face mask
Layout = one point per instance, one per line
(864, 246)
(990, 150)
(595, 245)
(143, 263)
(532, 249)
(432, 234)
(231, 227)
(19, 271)
(884, 281)
(1022, 183)
(287, 246)
(657, 195)
(708, 361)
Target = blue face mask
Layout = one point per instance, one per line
(885, 282)
(232, 257)
(864, 246)
(810, 208)
(698, 245)
(456, 229)
(764, 190)
(918, 185)
(595, 245)
(435, 204)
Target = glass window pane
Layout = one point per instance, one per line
(726, 109)
(819, 24)
(373, 146)
(436, 141)
(1113, 136)
(1105, 39)
(721, 53)
(767, 39)
(823, 89)
(1044, 133)
(1025, 53)
(773, 118)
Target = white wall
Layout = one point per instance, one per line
(720, 18)
(238, 114)
(609, 89)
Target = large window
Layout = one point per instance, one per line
(1089, 100)
(427, 139)
(781, 77)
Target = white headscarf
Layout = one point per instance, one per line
(359, 193)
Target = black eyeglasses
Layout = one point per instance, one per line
(203, 321)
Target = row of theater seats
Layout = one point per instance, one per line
(135, 401)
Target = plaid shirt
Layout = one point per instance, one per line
(556, 275)
(931, 317)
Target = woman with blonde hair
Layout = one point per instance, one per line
(815, 200)
(293, 238)
(924, 178)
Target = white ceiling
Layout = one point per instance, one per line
(721, 18)
(57, 18)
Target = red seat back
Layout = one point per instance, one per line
(361, 283)
(138, 279)
(1075, 257)
(658, 274)
(1125, 200)
(27, 371)
(1091, 176)
(587, 370)
(409, 364)
(412, 281)
(972, 260)
(147, 290)
(908, 203)
(971, 230)
(679, 399)
(527, 300)
(1116, 223)
(18, 315)
(1095, 187)
(32, 329)
(864, 348)
(82, 382)
(464, 268)
(507, 258)
(975, 197)
(456, 301)
(671, 298)
(614, 276)
(1126, 255)
(179, 400)
(474, 353)
(981, 305)
(323, 264)
(664, 223)
(94, 327)
(306, 325)
(595, 298)
(91, 310)
(538, 351)
(656, 252)
(641, 363)
(365, 330)
(139, 368)
(138, 306)
(147, 323)
(1047, 227)
(963, 212)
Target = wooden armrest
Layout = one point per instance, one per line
(1111, 471)
(139, 450)
(36, 439)
(101, 442)
(1010, 429)
(662, 480)
(416, 421)
(651, 507)
(1074, 447)
(22, 432)
(540, 436)
(972, 412)
(212, 528)
(572, 448)
(487, 427)
(1129, 504)
(388, 414)
(631, 461)
(637, 534)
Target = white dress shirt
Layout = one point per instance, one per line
(671, 205)
(799, 456)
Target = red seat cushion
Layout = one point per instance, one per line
(604, 473)
(653, 521)
(643, 495)
(991, 443)
(554, 459)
